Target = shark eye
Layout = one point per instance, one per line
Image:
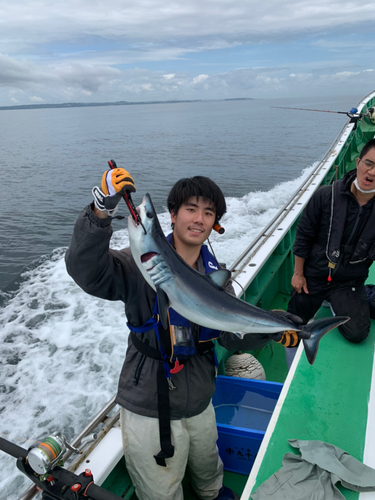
(149, 214)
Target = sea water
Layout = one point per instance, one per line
(62, 350)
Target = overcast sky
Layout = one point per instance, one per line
(95, 51)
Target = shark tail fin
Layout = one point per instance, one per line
(317, 330)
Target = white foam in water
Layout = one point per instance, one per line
(63, 349)
(247, 216)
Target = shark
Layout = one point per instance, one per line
(202, 299)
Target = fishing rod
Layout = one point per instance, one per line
(353, 112)
(128, 200)
(43, 465)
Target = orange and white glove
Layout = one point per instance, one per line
(115, 183)
(288, 338)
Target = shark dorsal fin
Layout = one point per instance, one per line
(220, 277)
(163, 305)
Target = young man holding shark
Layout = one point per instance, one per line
(168, 377)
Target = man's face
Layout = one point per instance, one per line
(194, 221)
(366, 171)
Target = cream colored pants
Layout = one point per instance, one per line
(194, 440)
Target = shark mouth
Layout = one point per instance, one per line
(147, 256)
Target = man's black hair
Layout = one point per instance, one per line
(366, 148)
(196, 186)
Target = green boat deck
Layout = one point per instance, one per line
(327, 401)
(119, 483)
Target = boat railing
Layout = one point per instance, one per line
(267, 232)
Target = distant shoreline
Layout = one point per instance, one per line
(117, 103)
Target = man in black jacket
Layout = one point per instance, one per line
(334, 248)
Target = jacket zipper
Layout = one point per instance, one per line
(349, 239)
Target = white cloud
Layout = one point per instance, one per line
(26, 75)
(139, 84)
(345, 74)
(152, 20)
(36, 100)
(94, 50)
(199, 79)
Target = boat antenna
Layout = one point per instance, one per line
(352, 113)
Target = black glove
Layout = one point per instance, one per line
(288, 338)
(114, 184)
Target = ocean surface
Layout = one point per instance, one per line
(62, 350)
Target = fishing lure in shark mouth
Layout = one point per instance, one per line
(200, 298)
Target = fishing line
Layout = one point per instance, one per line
(353, 111)
(15, 438)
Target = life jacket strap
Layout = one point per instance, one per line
(145, 349)
(167, 449)
(144, 328)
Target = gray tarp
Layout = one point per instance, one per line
(313, 475)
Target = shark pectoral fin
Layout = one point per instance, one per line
(318, 329)
(163, 305)
(220, 277)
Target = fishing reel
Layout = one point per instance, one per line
(49, 453)
(42, 465)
